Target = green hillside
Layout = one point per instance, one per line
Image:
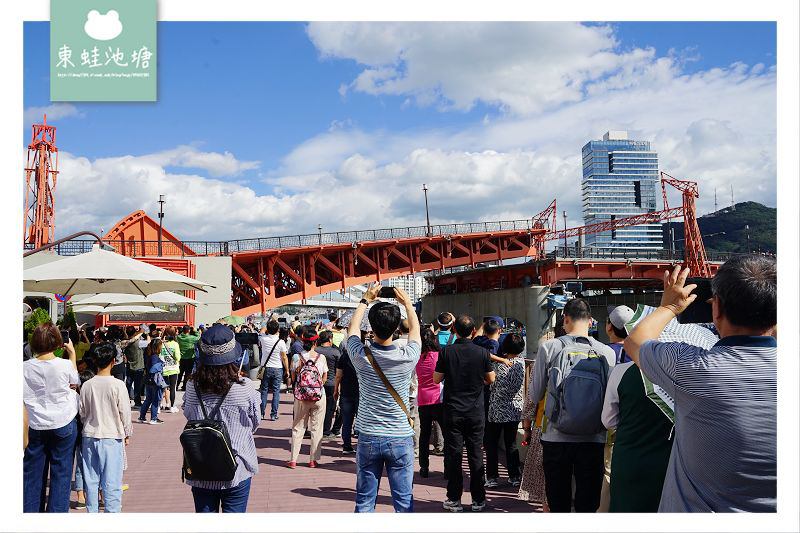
(761, 219)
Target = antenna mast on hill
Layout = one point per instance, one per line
(733, 205)
(715, 200)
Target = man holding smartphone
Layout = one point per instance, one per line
(386, 432)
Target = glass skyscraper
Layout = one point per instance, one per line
(620, 179)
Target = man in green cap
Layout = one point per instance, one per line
(187, 339)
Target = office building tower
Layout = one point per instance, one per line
(620, 179)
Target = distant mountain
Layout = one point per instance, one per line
(762, 222)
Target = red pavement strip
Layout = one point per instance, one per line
(154, 460)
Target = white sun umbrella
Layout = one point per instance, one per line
(158, 298)
(117, 309)
(100, 271)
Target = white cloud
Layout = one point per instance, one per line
(53, 111)
(523, 67)
(97, 193)
(715, 126)
(216, 164)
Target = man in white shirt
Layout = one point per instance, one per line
(276, 366)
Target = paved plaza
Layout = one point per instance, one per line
(154, 475)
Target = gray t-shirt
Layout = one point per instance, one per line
(538, 385)
(724, 455)
(378, 413)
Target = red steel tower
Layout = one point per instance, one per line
(41, 173)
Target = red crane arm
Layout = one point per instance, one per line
(644, 218)
(546, 219)
(695, 253)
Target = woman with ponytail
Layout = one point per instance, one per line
(309, 373)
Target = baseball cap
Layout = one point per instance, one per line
(497, 319)
(620, 315)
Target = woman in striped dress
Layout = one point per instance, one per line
(217, 375)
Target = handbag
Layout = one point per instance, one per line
(262, 368)
(389, 387)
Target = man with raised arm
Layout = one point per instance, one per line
(385, 430)
(724, 454)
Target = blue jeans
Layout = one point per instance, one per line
(348, 408)
(102, 469)
(397, 454)
(56, 446)
(152, 399)
(79, 485)
(233, 500)
(273, 377)
(135, 382)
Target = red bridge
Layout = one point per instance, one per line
(269, 272)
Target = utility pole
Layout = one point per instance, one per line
(671, 241)
(427, 215)
(319, 229)
(747, 229)
(565, 233)
(161, 202)
(715, 200)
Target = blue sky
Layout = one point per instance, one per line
(273, 93)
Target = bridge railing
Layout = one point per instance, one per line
(570, 252)
(189, 248)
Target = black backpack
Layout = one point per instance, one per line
(207, 451)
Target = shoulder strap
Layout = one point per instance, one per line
(563, 342)
(388, 385)
(269, 357)
(450, 338)
(216, 407)
(200, 399)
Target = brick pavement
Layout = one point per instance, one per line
(154, 475)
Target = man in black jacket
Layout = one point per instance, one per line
(465, 368)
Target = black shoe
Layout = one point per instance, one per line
(348, 451)
(423, 472)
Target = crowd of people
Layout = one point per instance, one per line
(653, 421)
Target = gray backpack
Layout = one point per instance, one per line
(576, 387)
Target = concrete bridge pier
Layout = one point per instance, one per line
(526, 304)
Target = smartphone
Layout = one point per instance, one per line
(65, 335)
(700, 310)
(386, 292)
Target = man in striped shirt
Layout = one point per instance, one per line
(724, 454)
(385, 433)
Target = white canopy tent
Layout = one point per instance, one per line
(116, 309)
(152, 300)
(101, 271)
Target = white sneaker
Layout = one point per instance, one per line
(492, 483)
(478, 507)
(173, 409)
(454, 506)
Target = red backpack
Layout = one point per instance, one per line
(309, 386)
